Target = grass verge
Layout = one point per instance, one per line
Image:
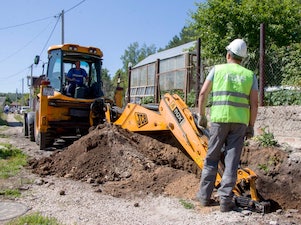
(3, 118)
(11, 160)
(34, 219)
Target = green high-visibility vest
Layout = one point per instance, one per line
(231, 88)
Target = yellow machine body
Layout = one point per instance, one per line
(174, 115)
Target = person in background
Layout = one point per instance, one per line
(6, 109)
(75, 77)
(232, 115)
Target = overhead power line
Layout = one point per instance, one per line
(22, 24)
(15, 74)
(20, 49)
(75, 6)
(50, 36)
(38, 20)
(59, 16)
(34, 21)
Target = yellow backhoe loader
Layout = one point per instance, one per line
(172, 114)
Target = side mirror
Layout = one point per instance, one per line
(37, 60)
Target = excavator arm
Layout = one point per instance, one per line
(174, 115)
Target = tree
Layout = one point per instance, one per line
(107, 85)
(133, 54)
(217, 22)
(186, 35)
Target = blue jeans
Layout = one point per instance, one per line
(71, 88)
(226, 139)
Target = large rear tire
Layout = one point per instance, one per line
(43, 139)
(39, 136)
(30, 125)
(25, 125)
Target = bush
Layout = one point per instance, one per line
(282, 97)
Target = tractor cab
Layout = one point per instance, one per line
(63, 58)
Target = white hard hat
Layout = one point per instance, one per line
(238, 47)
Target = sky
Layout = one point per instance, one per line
(28, 28)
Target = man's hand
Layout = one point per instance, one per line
(202, 121)
(250, 132)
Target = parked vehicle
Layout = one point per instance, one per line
(24, 109)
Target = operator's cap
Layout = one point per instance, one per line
(238, 47)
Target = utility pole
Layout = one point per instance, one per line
(22, 86)
(62, 16)
(31, 87)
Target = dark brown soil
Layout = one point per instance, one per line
(126, 164)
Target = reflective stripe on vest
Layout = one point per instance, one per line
(231, 87)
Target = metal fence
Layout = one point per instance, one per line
(275, 91)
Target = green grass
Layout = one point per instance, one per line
(34, 219)
(11, 160)
(186, 205)
(3, 136)
(3, 118)
(10, 193)
(266, 139)
(18, 117)
(263, 167)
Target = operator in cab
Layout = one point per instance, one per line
(75, 77)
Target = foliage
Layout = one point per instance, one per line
(266, 139)
(217, 22)
(147, 100)
(291, 62)
(132, 55)
(22, 99)
(264, 167)
(186, 35)
(282, 65)
(11, 159)
(190, 101)
(107, 85)
(282, 97)
(272, 161)
(135, 54)
(34, 219)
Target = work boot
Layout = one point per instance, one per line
(227, 206)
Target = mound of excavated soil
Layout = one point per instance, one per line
(126, 164)
(279, 175)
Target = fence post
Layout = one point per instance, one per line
(129, 82)
(198, 72)
(157, 82)
(262, 65)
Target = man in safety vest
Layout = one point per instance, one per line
(232, 115)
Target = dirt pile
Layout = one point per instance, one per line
(126, 164)
(279, 175)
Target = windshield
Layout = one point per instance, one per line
(60, 74)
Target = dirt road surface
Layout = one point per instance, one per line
(112, 176)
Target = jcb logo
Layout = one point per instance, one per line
(141, 119)
(178, 115)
